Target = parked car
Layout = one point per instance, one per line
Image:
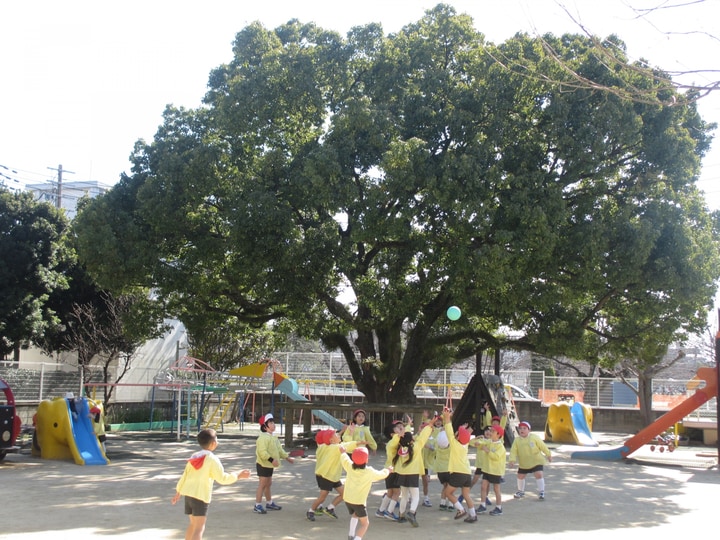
(518, 394)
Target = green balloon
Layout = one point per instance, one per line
(453, 313)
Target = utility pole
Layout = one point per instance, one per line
(58, 201)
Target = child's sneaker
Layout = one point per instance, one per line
(272, 506)
(258, 508)
(460, 514)
(379, 513)
(311, 515)
(488, 502)
(470, 519)
(330, 512)
(412, 519)
(497, 511)
(402, 519)
(442, 507)
(519, 494)
(427, 503)
(481, 509)
(542, 496)
(388, 515)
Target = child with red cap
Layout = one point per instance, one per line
(459, 468)
(98, 421)
(360, 432)
(359, 480)
(530, 452)
(328, 471)
(480, 458)
(268, 453)
(196, 483)
(496, 459)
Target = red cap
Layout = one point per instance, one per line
(95, 410)
(360, 456)
(524, 424)
(495, 418)
(265, 419)
(464, 434)
(499, 430)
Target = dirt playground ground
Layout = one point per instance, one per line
(662, 496)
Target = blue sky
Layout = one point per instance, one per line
(83, 80)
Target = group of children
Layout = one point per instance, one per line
(436, 445)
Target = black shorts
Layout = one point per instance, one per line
(264, 471)
(196, 507)
(358, 509)
(409, 480)
(478, 472)
(460, 480)
(392, 481)
(535, 469)
(492, 478)
(444, 477)
(327, 485)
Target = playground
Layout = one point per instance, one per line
(130, 497)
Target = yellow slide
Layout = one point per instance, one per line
(64, 433)
(570, 423)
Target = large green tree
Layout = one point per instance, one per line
(357, 187)
(33, 251)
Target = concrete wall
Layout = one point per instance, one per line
(612, 420)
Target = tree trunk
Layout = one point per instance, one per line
(645, 399)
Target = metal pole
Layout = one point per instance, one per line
(152, 405)
(179, 411)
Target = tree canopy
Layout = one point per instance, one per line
(33, 250)
(355, 187)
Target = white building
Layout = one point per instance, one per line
(66, 195)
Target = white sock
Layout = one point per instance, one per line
(403, 499)
(391, 506)
(353, 526)
(521, 484)
(415, 494)
(541, 484)
(384, 504)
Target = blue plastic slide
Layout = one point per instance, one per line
(582, 430)
(87, 446)
(289, 387)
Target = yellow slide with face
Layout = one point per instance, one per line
(570, 423)
(64, 430)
